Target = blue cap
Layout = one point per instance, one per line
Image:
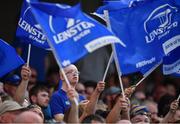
(12, 79)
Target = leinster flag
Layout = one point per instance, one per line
(28, 30)
(150, 31)
(171, 63)
(9, 59)
(71, 33)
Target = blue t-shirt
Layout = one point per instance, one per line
(60, 103)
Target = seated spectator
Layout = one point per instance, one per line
(28, 117)
(16, 87)
(153, 110)
(139, 114)
(9, 110)
(11, 82)
(59, 102)
(39, 95)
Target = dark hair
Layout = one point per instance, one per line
(164, 104)
(90, 118)
(36, 89)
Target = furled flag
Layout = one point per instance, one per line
(28, 30)
(9, 59)
(71, 33)
(171, 63)
(150, 30)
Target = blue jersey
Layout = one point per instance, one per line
(60, 103)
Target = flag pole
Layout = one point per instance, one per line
(109, 62)
(148, 73)
(178, 97)
(106, 15)
(29, 54)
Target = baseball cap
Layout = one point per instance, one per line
(9, 105)
(12, 79)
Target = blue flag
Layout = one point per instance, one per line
(117, 4)
(9, 58)
(150, 31)
(171, 63)
(28, 30)
(71, 33)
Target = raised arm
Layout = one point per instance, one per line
(171, 113)
(73, 116)
(91, 106)
(114, 115)
(21, 90)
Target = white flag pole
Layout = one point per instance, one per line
(106, 15)
(178, 97)
(29, 54)
(109, 63)
(148, 73)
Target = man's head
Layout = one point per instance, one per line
(139, 114)
(39, 95)
(72, 74)
(9, 110)
(152, 108)
(11, 83)
(28, 117)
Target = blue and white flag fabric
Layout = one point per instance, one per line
(28, 30)
(9, 59)
(150, 31)
(71, 33)
(117, 4)
(171, 63)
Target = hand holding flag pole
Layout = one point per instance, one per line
(106, 15)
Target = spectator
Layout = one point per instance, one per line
(164, 104)
(139, 114)
(39, 95)
(16, 89)
(171, 116)
(9, 110)
(59, 102)
(80, 88)
(28, 117)
(153, 110)
(11, 82)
